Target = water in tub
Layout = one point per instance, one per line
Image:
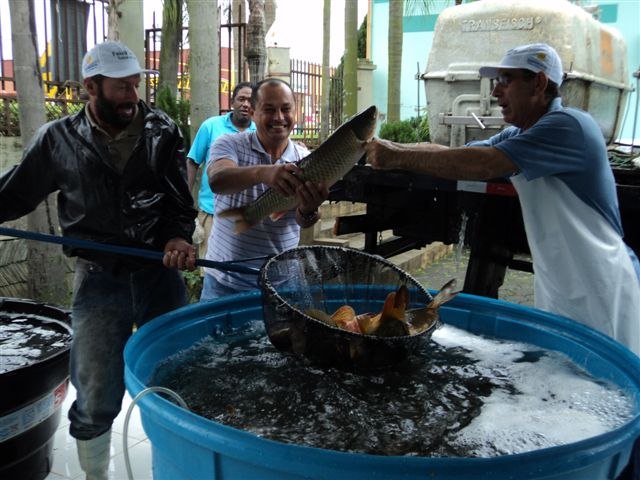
(463, 396)
(25, 339)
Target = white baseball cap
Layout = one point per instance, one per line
(537, 57)
(111, 59)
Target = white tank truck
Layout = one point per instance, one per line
(466, 37)
(461, 108)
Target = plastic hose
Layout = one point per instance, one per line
(146, 391)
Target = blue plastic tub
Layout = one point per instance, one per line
(188, 446)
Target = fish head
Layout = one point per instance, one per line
(364, 123)
(391, 321)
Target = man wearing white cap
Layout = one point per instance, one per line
(556, 159)
(119, 169)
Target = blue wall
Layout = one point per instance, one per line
(624, 15)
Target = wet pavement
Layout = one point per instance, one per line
(517, 286)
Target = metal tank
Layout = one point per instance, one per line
(466, 37)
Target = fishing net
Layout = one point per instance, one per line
(323, 279)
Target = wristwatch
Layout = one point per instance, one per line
(308, 217)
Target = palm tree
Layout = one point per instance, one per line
(204, 65)
(326, 49)
(256, 50)
(350, 77)
(45, 262)
(113, 19)
(170, 50)
(269, 14)
(396, 8)
(203, 61)
(396, 15)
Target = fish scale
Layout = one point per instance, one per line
(327, 164)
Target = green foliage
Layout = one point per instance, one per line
(336, 88)
(54, 109)
(193, 282)
(406, 131)
(177, 109)
(10, 118)
(362, 39)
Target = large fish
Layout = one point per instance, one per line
(327, 164)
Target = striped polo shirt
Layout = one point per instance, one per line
(266, 238)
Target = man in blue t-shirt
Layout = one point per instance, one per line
(237, 120)
(556, 158)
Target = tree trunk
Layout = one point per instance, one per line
(113, 19)
(326, 50)
(170, 49)
(45, 262)
(204, 63)
(395, 59)
(269, 14)
(350, 58)
(256, 51)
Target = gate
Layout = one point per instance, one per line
(70, 28)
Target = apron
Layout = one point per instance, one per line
(582, 266)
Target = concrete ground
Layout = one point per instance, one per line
(517, 286)
(10, 151)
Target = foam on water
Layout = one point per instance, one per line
(465, 395)
(25, 339)
(555, 402)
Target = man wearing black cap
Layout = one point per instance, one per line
(119, 169)
(556, 158)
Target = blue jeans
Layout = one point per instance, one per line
(109, 298)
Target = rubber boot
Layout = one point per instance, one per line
(94, 456)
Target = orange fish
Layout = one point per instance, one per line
(391, 322)
(345, 318)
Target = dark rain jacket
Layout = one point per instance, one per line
(144, 207)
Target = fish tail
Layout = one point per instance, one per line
(238, 215)
(445, 294)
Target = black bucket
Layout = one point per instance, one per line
(35, 340)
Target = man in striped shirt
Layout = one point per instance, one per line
(243, 166)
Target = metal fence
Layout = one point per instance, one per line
(72, 27)
(306, 82)
(68, 29)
